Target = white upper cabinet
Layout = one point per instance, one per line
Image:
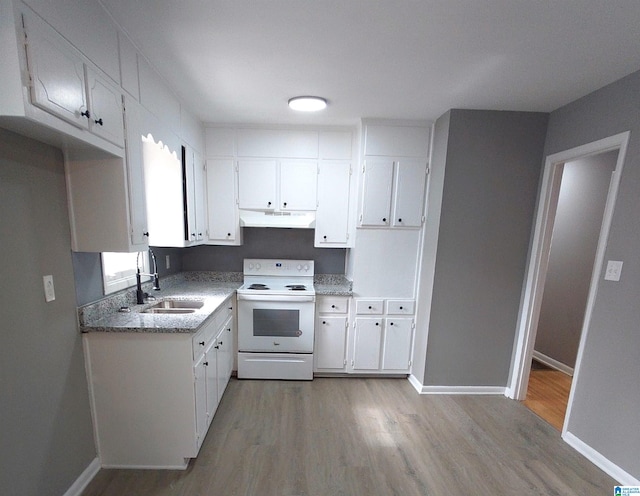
(222, 207)
(194, 175)
(332, 216)
(277, 185)
(105, 105)
(377, 183)
(62, 84)
(394, 174)
(298, 185)
(257, 180)
(409, 188)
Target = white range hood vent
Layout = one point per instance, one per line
(298, 220)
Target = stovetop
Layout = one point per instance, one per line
(270, 276)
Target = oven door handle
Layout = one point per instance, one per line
(277, 298)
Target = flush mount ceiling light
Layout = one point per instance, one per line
(307, 103)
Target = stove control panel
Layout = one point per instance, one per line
(273, 267)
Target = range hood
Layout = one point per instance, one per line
(298, 220)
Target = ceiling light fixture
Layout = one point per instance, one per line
(307, 103)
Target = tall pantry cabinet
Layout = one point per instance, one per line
(393, 173)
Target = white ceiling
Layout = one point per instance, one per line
(241, 60)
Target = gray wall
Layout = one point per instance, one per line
(266, 243)
(493, 163)
(46, 438)
(578, 220)
(606, 402)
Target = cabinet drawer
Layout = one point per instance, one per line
(371, 307)
(333, 304)
(400, 307)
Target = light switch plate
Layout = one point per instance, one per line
(614, 269)
(49, 290)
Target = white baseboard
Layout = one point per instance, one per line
(85, 477)
(624, 478)
(553, 363)
(498, 390)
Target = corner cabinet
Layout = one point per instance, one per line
(153, 395)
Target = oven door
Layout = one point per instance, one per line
(274, 323)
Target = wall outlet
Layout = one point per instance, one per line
(614, 269)
(167, 262)
(49, 290)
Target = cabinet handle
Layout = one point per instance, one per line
(86, 114)
(206, 364)
(201, 343)
(99, 121)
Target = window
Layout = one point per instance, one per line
(119, 270)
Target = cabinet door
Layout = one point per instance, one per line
(189, 178)
(396, 352)
(410, 181)
(257, 184)
(330, 344)
(200, 387)
(105, 105)
(298, 185)
(135, 176)
(376, 196)
(367, 341)
(332, 216)
(223, 224)
(211, 374)
(56, 72)
(225, 358)
(199, 196)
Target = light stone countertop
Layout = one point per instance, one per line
(213, 294)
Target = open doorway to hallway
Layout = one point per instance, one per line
(577, 222)
(555, 348)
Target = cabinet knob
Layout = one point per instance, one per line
(284, 204)
(324, 237)
(228, 234)
(269, 204)
(221, 343)
(146, 234)
(377, 323)
(333, 306)
(99, 121)
(370, 307)
(86, 114)
(201, 343)
(230, 308)
(390, 323)
(217, 347)
(401, 308)
(206, 364)
(199, 234)
(399, 220)
(324, 321)
(193, 235)
(384, 219)
(229, 329)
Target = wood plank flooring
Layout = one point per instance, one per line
(355, 436)
(548, 395)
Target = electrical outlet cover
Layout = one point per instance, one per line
(49, 290)
(614, 270)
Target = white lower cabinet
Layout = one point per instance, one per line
(378, 340)
(332, 321)
(381, 342)
(153, 395)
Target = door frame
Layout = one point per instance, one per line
(539, 260)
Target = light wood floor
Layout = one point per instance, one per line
(367, 437)
(548, 395)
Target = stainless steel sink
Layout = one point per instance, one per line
(175, 306)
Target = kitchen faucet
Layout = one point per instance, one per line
(140, 295)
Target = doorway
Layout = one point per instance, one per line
(556, 221)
